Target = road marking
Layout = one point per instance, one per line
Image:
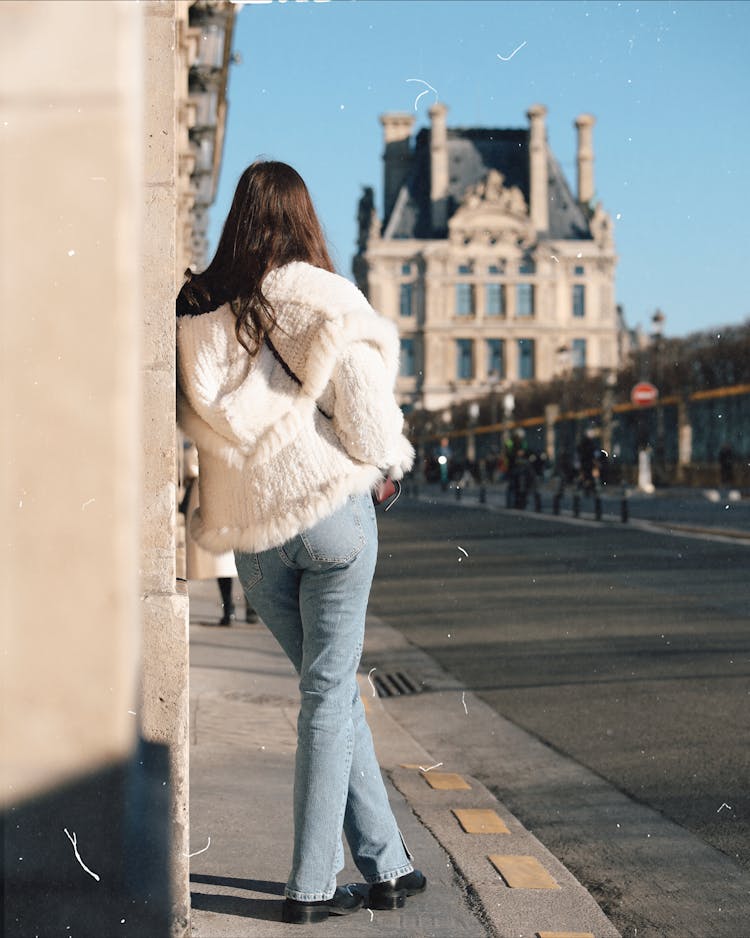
(523, 872)
(480, 821)
(564, 934)
(446, 781)
(668, 529)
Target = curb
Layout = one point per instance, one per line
(515, 884)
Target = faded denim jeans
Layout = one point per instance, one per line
(312, 594)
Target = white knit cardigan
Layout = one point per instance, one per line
(271, 464)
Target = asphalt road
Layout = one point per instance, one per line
(626, 650)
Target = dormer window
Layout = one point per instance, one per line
(527, 266)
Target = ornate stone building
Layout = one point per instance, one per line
(493, 270)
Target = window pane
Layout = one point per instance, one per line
(464, 269)
(527, 267)
(579, 300)
(525, 299)
(495, 358)
(464, 358)
(496, 269)
(579, 271)
(406, 268)
(525, 359)
(495, 299)
(464, 299)
(578, 356)
(406, 299)
(407, 367)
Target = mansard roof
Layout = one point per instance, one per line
(472, 153)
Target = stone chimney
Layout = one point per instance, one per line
(438, 167)
(584, 125)
(397, 156)
(538, 190)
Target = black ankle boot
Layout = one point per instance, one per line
(392, 893)
(343, 902)
(227, 603)
(228, 617)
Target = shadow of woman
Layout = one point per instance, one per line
(268, 910)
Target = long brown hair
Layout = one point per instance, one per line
(272, 222)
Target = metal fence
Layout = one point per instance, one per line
(685, 434)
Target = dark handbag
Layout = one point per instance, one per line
(388, 491)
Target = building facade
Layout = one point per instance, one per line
(493, 270)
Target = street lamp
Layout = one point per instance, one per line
(563, 359)
(471, 443)
(509, 405)
(610, 382)
(657, 335)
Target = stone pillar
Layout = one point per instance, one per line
(585, 159)
(397, 156)
(684, 441)
(439, 176)
(69, 365)
(164, 685)
(538, 188)
(71, 189)
(551, 414)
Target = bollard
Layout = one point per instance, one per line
(458, 493)
(624, 509)
(537, 502)
(576, 505)
(598, 508)
(482, 494)
(556, 504)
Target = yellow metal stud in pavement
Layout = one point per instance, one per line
(523, 872)
(446, 781)
(480, 821)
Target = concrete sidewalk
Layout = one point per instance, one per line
(243, 697)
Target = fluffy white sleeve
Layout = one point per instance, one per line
(366, 417)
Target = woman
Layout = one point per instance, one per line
(199, 563)
(285, 385)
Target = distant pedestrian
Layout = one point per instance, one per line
(726, 465)
(587, 462)
(286, 379)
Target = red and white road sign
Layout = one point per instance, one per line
(644, 393)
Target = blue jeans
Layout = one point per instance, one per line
(312, 594)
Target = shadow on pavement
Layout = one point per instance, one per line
(273, 888)
(266, 910)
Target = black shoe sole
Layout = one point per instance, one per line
(387, 902)
(304, 915)
(309, 914)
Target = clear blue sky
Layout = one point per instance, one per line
(669, 84)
